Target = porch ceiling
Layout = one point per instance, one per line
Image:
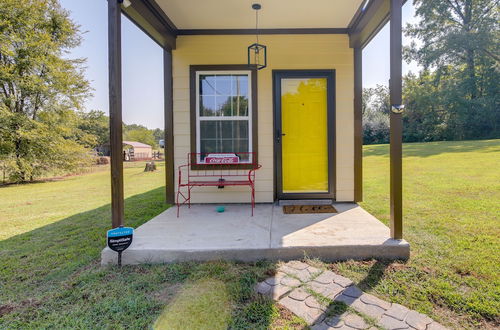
(275, 14)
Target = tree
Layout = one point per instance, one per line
(158, 134)
(39, 89)
(139, 133)
(459, 47)
(376, 107)
(95, 123)
(456, 32)
(426, 116)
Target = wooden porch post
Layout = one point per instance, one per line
(115, 111)
(358, 125)
(169, 126)
(396, 124)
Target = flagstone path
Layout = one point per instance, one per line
(326, 300)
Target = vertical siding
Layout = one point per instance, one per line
(284, 52)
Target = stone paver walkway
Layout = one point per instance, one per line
(326, 300)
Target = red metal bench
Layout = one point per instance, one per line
(216, 170)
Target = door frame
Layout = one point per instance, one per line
(329, 74)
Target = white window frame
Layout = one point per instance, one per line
(248, 117)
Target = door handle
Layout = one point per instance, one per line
(278, 136)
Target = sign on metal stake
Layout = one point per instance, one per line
(119, 239)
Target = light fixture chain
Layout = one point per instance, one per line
(257, 25)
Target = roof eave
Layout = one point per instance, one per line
(151, 19)
(368, 22)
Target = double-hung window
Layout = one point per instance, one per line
(223, 112)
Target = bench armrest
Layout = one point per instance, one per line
(180, 171)
(251, 173)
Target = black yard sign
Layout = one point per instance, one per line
(120, 239)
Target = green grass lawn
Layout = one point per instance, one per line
(52, 233)
(452, 221)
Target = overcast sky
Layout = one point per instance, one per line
(143, 66)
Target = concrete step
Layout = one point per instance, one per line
(201, 234)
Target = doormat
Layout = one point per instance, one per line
(301, 209)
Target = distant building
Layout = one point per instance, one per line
(132, 150)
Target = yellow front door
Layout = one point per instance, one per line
(304, 135)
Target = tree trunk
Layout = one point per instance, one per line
(20, 172)
(471, 67)
(471, 71)
(18, 152)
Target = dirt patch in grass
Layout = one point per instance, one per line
(6, 309)
(69, 283)
(270, 272)
(467, 273)
(25, 304)
(472, 323)
(395, 267)
(167, 293)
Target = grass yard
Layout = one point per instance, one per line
(52, 233)
(452, 221)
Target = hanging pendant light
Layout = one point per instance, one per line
(257, 53)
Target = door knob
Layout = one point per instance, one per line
(279, 134)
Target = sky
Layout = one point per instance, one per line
(142, 62)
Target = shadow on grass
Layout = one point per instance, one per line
(57, 177)
(219, 295)
(428, 149)
(374, 275)
(50, 277)
(344, 303)
(34, 260)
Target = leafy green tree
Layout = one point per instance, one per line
(376, 109)
(39, 89)
(458, 48)
(456, 32)
(95, 123)
(139, 133)
(158, 134)
(426, 112)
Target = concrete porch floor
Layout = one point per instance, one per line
(202, 234)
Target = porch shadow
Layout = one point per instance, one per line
(49, 254)
(50, 275)
(323, 298)
(375, 274)
(342, 304)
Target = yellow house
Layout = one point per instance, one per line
(279, 79)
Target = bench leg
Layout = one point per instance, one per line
(186, 200)
(177, 201)
(253, 198)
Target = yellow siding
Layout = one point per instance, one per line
(284, 52)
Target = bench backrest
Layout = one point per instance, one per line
(213, 164)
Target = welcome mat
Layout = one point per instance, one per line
(301, 209)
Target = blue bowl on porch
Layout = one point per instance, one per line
(220, 209)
